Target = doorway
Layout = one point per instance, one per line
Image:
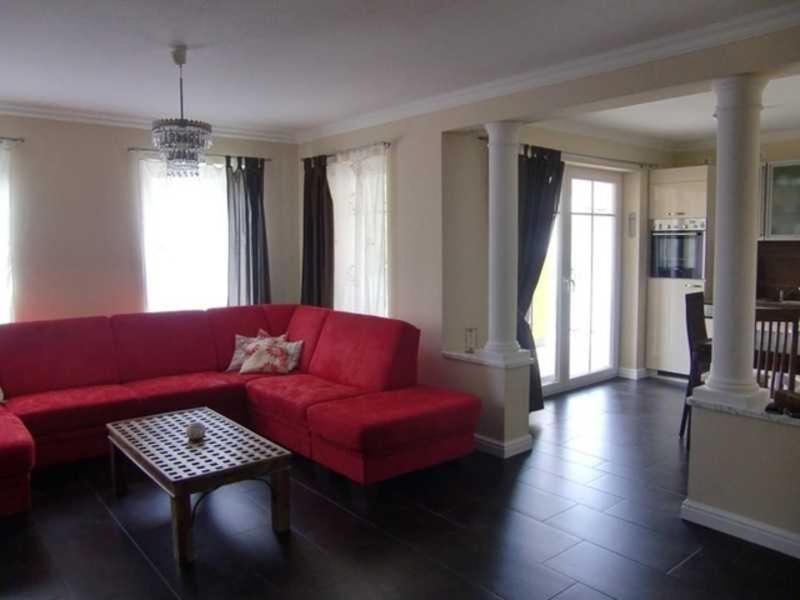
(575, 310)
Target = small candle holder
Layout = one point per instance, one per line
(196, 432)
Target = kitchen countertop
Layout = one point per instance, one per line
(760, 303)
(740, 411)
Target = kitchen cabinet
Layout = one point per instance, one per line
(667, 345)
(782, 210)
(679, 192)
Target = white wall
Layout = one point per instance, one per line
(76, 244)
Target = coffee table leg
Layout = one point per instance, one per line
(182, 529)
(279, 487)
(117, 473)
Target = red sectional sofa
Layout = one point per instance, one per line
(353, 404)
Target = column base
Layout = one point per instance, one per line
(746, 398)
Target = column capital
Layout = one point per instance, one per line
(504, 133)
(739, 91)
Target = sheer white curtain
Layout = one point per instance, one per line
(6, 279)
(185, 234)
(357, 179)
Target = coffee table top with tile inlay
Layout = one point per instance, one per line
(229, 452)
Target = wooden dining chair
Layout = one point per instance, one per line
(699, 351)
(775, 360)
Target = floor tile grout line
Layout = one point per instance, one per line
(586, 585)
(135, 544)
(552, 472)
(530, 484)
(637, 561)
(639, 481)
(685, 560)
(397, 540)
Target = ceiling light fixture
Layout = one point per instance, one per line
(182, 143)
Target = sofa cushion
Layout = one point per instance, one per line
(227, 323)
(241, 378)
(306, 325)
(179, 392)
(16, 445)
(51, 355)
(158, 344)
(240, 348)
(271, 355)
(74, 408)
(373, 423)
(288, 397)
(371, 353)
(278, 317)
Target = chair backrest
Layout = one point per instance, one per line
(695, 320)
(776, 348)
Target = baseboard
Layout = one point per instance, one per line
(757, 532)
(627, 373)
(494, 447)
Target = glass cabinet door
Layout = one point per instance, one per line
(783, 200)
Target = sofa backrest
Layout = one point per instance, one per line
(306, 324)
(227, 323)
(278, 317)
(169, 343)
(51, 355)
(371, 353)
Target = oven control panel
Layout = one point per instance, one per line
(683, 224)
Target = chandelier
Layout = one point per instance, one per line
(182, 143)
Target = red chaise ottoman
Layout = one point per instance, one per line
(380, 435)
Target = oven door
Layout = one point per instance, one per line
(677, 255)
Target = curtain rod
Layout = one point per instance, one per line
(386, 144)
(15, 140)
(139, 149)
(590, 156)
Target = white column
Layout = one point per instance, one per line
(502, 345)
(736, 232)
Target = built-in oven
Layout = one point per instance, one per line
(677, 248)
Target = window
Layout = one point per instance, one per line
(358, 186)
(6, 281)
(185, 222)
(575, 304)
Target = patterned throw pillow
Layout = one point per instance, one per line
(240, 343)
(272, 355)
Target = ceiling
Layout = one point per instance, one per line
(688, 121)
(288, 66)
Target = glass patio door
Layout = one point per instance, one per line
(575, 306)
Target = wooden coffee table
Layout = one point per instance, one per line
(158, 445)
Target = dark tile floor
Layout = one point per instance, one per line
(591, 513)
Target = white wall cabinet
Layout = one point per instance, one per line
(667, 345)
(782, 212)
(680, 192)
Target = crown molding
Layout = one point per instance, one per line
(766, 137)
(133, 122)
(716, 34)
(608, 134)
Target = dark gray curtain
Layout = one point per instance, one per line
(317, 234)
(248, 260)
(540, 174)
